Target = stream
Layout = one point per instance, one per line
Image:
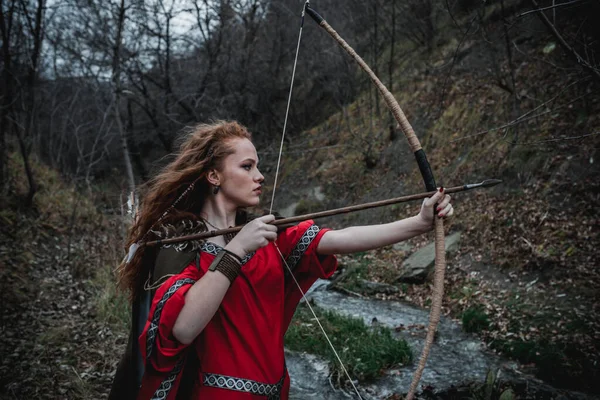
(456, 358)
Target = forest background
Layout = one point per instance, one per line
(93, 95)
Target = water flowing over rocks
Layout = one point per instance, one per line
(456, 358)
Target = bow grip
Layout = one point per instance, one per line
(425, 169)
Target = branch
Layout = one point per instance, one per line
(564, 44)
(551, 7)
(558, 139)
(519, 120)
(527, 116)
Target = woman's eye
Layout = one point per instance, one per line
(247, 167)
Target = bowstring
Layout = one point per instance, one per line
(273, 201)
(287, 110)
(319, 323)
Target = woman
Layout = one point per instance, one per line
(220, 310)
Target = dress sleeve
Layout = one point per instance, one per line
(159, 348)
(299, 245)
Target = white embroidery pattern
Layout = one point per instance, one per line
(301, 247)
(214, 249)
(165, 387)
(153, 329)
(271, 391)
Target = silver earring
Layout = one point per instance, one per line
(216, 189)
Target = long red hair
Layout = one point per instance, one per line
(202, 148)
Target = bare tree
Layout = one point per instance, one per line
(22, 26)
(7, 22)
(116, 81)
(125, 75)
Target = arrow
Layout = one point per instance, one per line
(344, 210)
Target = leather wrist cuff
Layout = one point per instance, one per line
(227, 263)
(235, 256)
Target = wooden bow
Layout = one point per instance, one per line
(415, 145)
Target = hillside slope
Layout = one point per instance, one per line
(527, 264)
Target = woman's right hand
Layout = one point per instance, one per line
(254, 235)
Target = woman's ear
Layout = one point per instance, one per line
(213, 177)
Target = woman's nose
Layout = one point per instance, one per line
(260, 178)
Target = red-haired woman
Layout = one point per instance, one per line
(219, 309)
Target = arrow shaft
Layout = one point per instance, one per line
(328, 213)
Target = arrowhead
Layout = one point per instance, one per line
(491, 182)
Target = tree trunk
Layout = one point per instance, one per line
(375, 50)
(511, 66)
(116, 78)
(135, 152)
(7, 99)
(28, 171)
(392, 127)
(124, 147)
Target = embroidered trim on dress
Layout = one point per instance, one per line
(165, 386)
(301, 247)
(271, 391)
(214, 249)
(153, 329)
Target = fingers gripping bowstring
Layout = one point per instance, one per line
(273, 201)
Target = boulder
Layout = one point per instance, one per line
(373, 288)
(419, 266)
(402, 246)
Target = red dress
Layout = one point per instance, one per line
(240, 351)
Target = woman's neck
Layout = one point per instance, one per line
(218, 214)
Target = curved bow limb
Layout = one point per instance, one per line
(415, 145)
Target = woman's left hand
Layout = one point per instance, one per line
(444, 209)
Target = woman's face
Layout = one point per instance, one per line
(240, 179)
